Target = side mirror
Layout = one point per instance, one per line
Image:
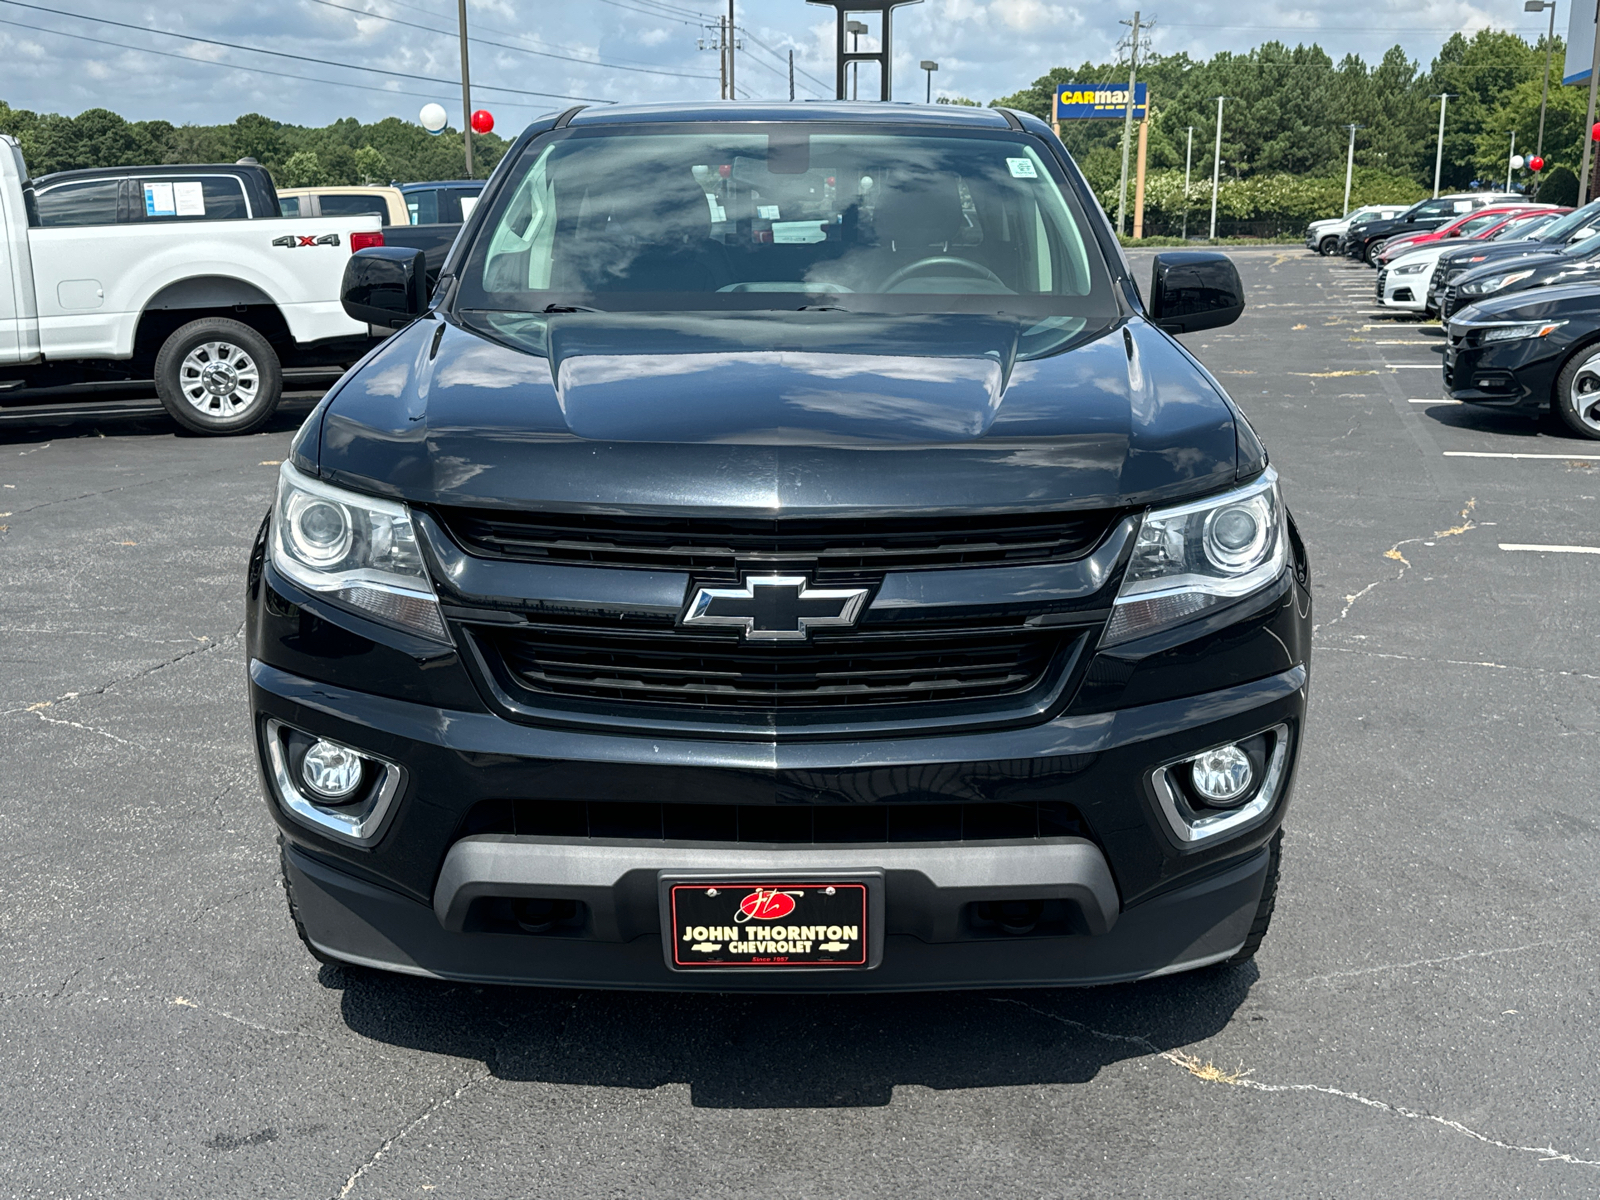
(1192, 290)
(385, 285)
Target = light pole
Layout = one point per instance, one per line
(1350, 165)
(1588, 125)
(855, 29)
(1511, 154)
(1188, 157)
(1216, 170)
(1444, 99)
(1549, 48)
(930, 67)
(466, 89)
(1127, 122)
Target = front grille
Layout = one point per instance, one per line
(836, 545)
(672, 668)
(803, 824)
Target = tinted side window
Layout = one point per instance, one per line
(92, 202)
(423, 207)
(290, 206)
(209, 198)
(354, 206)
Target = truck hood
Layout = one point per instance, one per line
(813, 412)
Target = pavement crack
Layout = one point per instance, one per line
(1394, 554)
(417, 1122)
(1420, 962)
(1239, 1077)
(1456, 662)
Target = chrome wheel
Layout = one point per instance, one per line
(219, 379)
(1583, 394)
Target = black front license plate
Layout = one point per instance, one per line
(769, 926)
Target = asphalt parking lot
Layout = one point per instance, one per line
(1420, 1022)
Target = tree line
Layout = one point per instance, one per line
(345, 152)
(1288, 109)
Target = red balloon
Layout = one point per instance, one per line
(1595, 132)
(1536, 163)
(483, 121)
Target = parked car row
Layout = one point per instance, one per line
(416, 216)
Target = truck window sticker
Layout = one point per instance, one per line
(158, 200)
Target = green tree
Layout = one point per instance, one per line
(302, 170)
(371, 167)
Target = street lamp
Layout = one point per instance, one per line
(1549, 47)
(1216, 170)
(1444, 99)
(1350, 166)
(930, 67)
(1188, 157)
(855, 29)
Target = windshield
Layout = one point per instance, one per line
(1522, 227)
(785, 217)
(1561, 230)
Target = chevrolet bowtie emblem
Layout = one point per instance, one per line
(775, 607)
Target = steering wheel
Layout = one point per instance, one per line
(941, 260)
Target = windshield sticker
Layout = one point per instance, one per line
(767, 212)
(1022, 168)
(794, 233)
(158, 200)
(468, 203)
(189, 199)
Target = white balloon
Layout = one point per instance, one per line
(1516, 162)
(433, 117)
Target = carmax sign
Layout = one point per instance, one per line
(1082, 101)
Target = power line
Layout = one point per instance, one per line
(324, 62)
(588, 62)
(779, 57)
(365, 87)
(527, 37)
(686, 17)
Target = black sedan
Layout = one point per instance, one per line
(1530, 354)
(1577, 264)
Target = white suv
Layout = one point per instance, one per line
(1323, 236)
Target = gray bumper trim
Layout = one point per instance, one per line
(927, 886)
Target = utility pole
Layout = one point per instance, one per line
(1584, 180)
(732, 93)
(1350, 165)
(1188, 157)
(1549, 49)
(791, 74)
(855, 30)
(1127, 121)
(722, 58)
(466, 87)
(1444, 99)
(1216, 170)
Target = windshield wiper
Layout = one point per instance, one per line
(569, 308)
(822, 308)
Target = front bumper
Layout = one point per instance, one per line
(1515, 375)
(1406, 292)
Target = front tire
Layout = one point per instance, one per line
(1327, 246)
(1576, 398)
(1370, 252)
(218, 377)
(1269, 901)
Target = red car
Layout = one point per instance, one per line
(1485, 222)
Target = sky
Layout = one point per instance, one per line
(531, 56)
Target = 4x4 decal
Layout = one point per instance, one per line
(291, 241)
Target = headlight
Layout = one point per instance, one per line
(356, 550)
(1198, 555)
(1410, 268)
(1513, 333)
(1493, 283)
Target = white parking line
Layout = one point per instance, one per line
(1433, 366)
(1502, 454)
(1433, 402)
(1551, 549)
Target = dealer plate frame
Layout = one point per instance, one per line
(872, 880)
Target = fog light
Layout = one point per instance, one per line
(1223, 775)
(332, 771)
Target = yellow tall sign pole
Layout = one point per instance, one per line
(1138, 186)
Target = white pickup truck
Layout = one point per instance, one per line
(189, 275)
